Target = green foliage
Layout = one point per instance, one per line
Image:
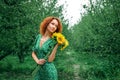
(16, 71)
(99, 29)
(12, 69)
(64, 66)
(98, 34)
(92, 66)
(96, 67)
(20, 24)
(95, 39)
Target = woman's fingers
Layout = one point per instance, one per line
(41, 61)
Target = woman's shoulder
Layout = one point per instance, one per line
(38, 35)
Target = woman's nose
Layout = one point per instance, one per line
(54, 26)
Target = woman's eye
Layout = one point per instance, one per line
(52, 23)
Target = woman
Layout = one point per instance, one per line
(43, 44)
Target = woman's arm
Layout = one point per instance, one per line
(38, 61)
(52, 55)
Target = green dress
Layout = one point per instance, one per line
(48, 70)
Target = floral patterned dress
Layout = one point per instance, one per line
(48, 70)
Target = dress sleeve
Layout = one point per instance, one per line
(35, 43)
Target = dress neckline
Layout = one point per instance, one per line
(43, 43)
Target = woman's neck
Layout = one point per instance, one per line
(47, 34)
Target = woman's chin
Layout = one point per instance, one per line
(52, 31)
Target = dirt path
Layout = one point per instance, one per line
(76, 71)
(76, 67)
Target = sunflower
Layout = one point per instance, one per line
(61, 40)
(65, 44)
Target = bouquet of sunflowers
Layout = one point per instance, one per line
(61, 40)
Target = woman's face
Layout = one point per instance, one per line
(52, 27)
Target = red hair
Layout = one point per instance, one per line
(45, 23)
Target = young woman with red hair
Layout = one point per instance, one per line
(43, 44)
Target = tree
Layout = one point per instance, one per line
(20, 23)
(99, 29)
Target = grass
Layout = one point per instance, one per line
(13, 70)
(92, 67)
(97, 67)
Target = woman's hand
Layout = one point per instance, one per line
(41, 61)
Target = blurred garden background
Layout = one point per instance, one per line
(94, 41)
